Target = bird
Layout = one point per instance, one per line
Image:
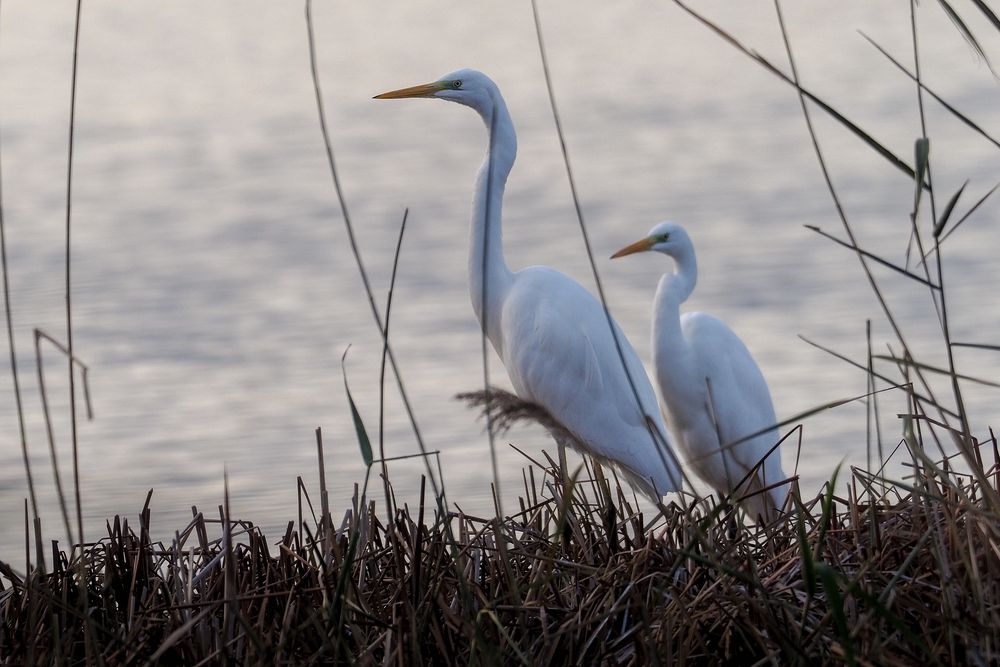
(712, 392)
(552, 335)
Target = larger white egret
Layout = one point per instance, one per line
(712, 391)
(552, 334)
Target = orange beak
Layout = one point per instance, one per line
(423, 90)
(638, 246)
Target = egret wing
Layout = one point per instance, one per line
(560, 353)
(740, 397)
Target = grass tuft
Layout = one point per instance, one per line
(879, 575)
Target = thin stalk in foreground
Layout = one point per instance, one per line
(439, 489)
(314, 68)
(484, 320)
(939, 293)
(940, 100)
(13, 355)
(941, 299)
(69, 293)
(836, 199)
(89, 639)
(49, 431)
(653, 435)
(381, 370)
(964, 441)
(897, 162)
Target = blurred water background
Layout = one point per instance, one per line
(214, 290)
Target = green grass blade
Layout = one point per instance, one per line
(921, 152)
(939, 226)
(359, 426)
(806, 554)
(970, 211)
(828, 577)
(827, 508)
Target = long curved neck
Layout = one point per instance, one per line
(487, 268)
(673, 290)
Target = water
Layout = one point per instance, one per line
(214, 290)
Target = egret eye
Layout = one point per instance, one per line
(457, 83)
(664, 237)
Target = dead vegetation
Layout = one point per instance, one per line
(883, 573)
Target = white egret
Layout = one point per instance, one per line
(712, 391)
(552, 334)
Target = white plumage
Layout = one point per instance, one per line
(711, 389)
(551, 334)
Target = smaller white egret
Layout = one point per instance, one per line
(711, 390)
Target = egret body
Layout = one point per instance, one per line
(552, 334)
(711, 389)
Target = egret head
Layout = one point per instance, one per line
(465, 86)
(666, 237)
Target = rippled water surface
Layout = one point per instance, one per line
(214, 290)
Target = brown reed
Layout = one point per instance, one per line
(872, 571)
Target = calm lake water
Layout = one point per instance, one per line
(214, 290)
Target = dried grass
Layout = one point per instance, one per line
(887, 573)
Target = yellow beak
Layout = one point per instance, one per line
(638, 246)
(423, 90)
